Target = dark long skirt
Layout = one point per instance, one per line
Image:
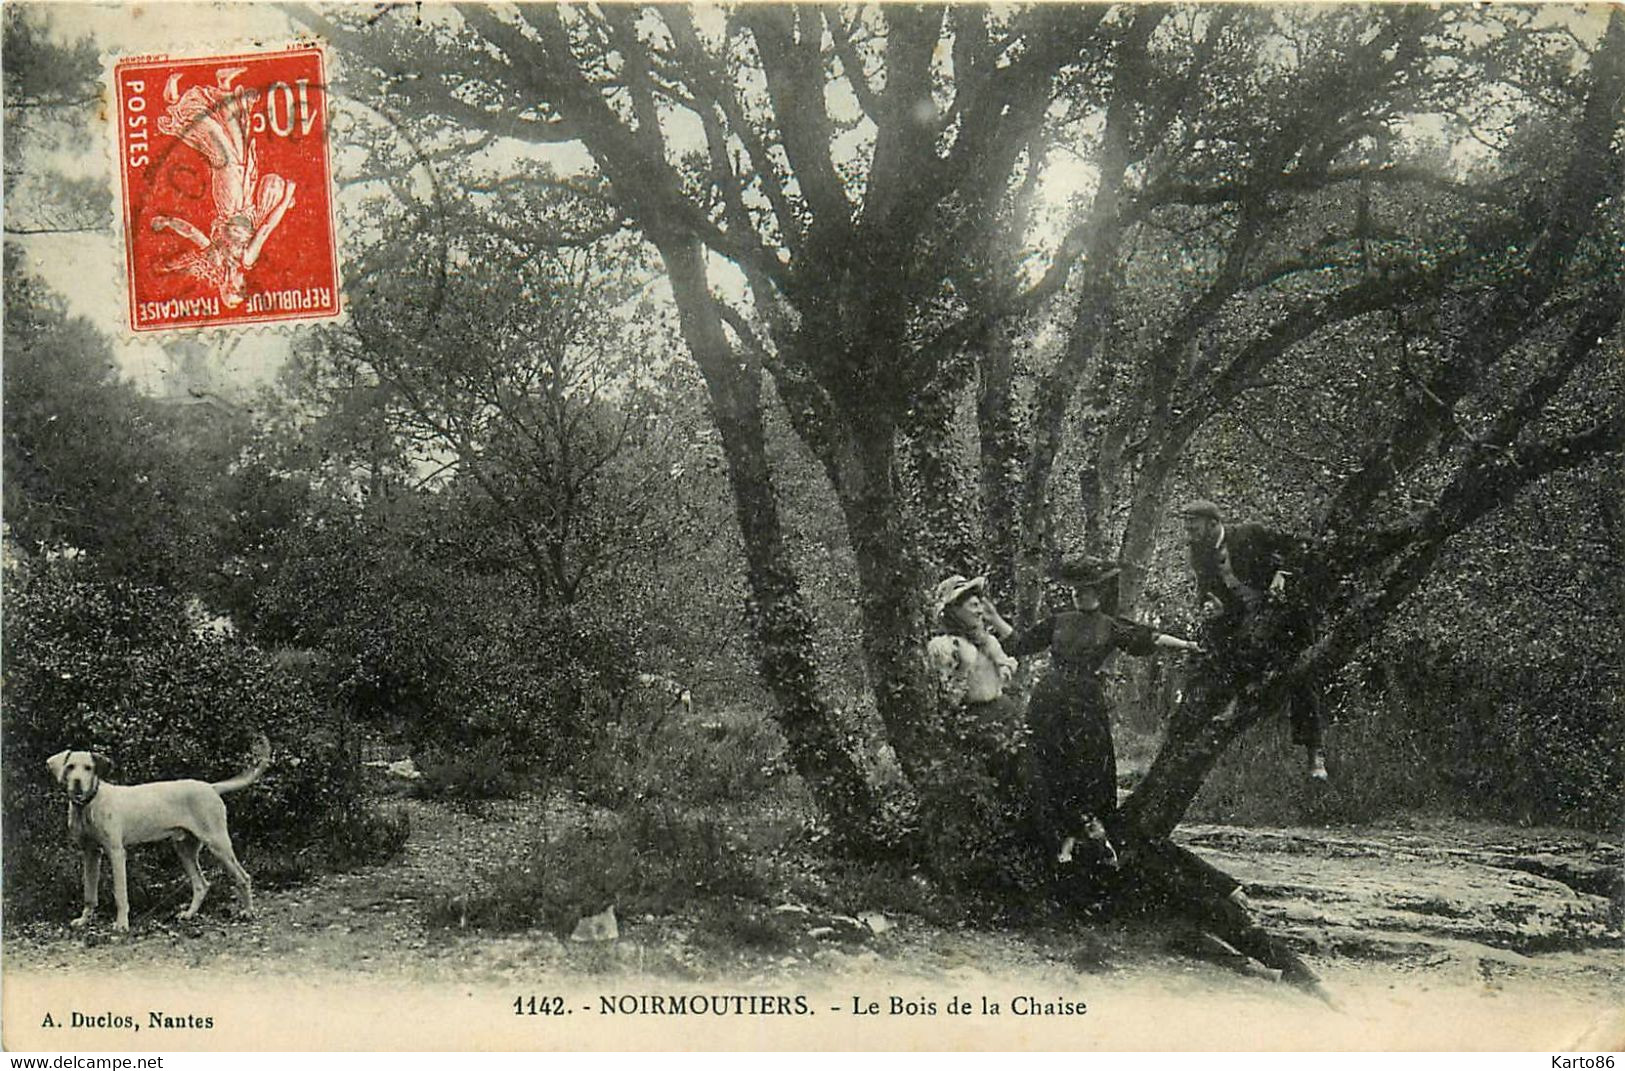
(1074, 764)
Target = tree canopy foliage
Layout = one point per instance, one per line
(1121, 225)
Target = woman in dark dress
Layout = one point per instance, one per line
(1074, 764)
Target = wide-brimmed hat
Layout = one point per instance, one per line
(1086, 570)
(1201, 507)
(953, 589)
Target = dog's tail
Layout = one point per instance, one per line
(262, 762)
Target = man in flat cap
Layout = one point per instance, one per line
(1242, 566)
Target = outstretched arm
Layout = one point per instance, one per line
(182, 228)
(1031, 640)
(1162, 639)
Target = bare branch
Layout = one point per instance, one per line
(787, 42)
(1171, 192)
(852, 64)
(708, 83)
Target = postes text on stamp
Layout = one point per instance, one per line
(227, 190)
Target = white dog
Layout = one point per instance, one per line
(104, 818)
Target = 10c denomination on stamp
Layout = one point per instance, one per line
(226, 188)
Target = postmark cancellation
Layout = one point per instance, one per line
(226, 191)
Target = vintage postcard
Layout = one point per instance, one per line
(1084, 527)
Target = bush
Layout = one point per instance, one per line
(646, 752)
(653, 861)
(114, 667)
(520, 691)
(469, 777)
(448, 661)
(974, 805)
(1429, 730)
(367, 835)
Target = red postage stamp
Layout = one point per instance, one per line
(227, 190)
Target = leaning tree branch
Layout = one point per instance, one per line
(1510, 311)
(852, 64)
(792, 62)
(708, 83)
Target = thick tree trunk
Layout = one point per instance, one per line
(942, 485)
(1003, 460)
(1091, 326)
(782, 624)
(1214, 714)
(1208, 721)
(1140, 530)
(893, 593)
(1157, 871)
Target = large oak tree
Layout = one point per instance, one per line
(1109, 223)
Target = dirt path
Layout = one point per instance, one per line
(1428, 890)
(368, 920)
(1442, 901)
(1446, 900)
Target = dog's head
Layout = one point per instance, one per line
(80, 772)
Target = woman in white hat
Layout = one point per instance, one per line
(1074, 763)
(972, 668)
(971, 665)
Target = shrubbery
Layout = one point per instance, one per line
(643, 752)
(116, 668)
(1427, 729)
(526, 694)
(653, 860)
(469, 776)
(465, 672)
